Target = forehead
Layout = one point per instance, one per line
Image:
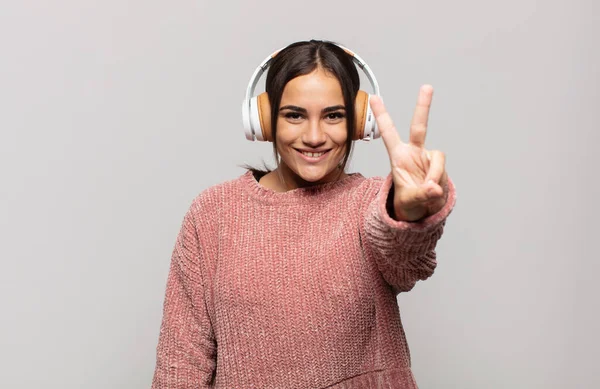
(314, 89)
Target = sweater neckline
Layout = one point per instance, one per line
(316, 193)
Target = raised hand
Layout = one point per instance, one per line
(419, 176)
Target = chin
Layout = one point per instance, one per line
(313, 176)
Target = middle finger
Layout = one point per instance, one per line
(418, 124)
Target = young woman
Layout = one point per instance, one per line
(288, 278)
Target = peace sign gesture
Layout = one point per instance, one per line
(419, 176)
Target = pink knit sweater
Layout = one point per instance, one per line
(292, 289)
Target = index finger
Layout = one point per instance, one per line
(388, 131)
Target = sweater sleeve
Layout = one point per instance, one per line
(186, 351)
(404, 252)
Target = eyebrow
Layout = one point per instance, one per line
(303, 110)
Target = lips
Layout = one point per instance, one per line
(312, 156)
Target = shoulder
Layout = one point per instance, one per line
(374, 182)
(213, 198)
(362, 191)
(370, 185)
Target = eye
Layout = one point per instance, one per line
(334, 116)
(294, 116)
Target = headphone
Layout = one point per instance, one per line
(256, 110)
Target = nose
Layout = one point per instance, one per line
(314, 136)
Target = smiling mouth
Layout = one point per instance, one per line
(312, 154)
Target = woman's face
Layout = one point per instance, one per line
(311, 128)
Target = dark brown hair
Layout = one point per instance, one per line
(301, 58)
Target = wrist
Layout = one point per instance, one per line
(400, 214)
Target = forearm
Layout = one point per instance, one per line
(403, 251)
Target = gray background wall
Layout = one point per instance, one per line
(114, 115)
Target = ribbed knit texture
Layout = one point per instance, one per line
(294, 289)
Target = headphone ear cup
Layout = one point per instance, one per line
(264, 116)
(259, 119)
(361, 114)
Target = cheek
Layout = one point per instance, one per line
(339, 135)
(286, 133)
(285, 137)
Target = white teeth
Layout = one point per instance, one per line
(313, 155)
